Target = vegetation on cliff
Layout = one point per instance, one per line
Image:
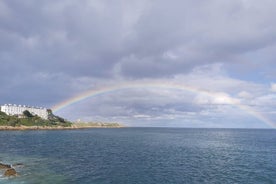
(27, 119)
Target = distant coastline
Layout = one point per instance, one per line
(72, 127)
(17, 117)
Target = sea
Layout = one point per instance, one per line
(140, 156)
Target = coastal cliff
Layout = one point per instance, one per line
(27, 119)
(30, 122)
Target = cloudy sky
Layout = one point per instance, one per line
(55, 50)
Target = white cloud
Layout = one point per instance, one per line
(267, 100)
(216, 99)
(273, 87)
(245, 95)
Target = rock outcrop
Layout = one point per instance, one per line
(10, 172)
(4, 166)
(18, 165)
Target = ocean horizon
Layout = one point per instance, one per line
(140, 155)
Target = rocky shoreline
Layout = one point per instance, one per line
(9, 170)
(52, 127)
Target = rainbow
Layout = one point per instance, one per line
(224, 98)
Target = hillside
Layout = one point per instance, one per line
(29, 120)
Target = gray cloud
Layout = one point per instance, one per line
(91, 37)
(197, 33)
(52, 50)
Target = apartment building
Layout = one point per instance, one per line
(12, 109)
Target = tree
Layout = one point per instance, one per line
(27, 114)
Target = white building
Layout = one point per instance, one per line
(18, 110)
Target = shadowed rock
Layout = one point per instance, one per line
(10, 172)
(4, 166)
(18, 165)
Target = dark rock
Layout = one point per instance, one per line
(5, 166)
(18, 165)
(10, 172)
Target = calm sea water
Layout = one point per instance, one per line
(140, 155)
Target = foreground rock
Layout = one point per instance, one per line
(10, 172)
(4, 166)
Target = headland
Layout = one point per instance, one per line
(14, 117)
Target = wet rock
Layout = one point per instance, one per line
(10, 172)
(4, 166)
(18, 165)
